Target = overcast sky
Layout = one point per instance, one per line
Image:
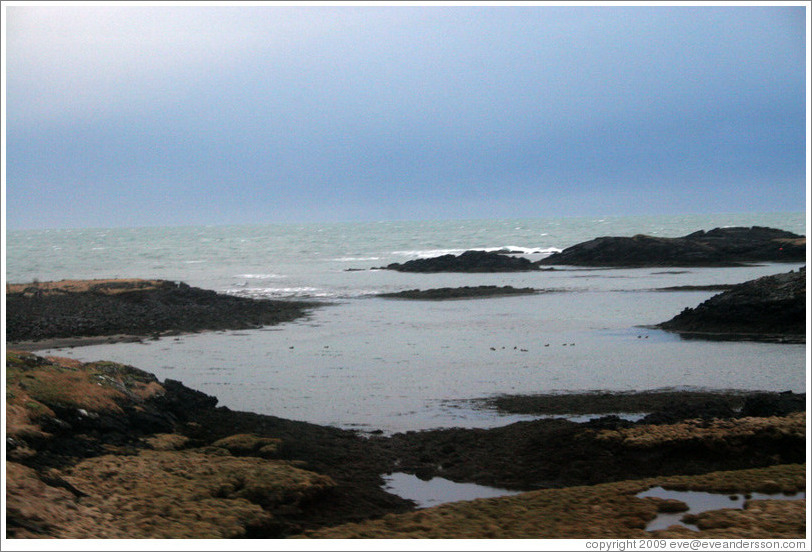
(185, 114)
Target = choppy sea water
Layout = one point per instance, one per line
(369, 363)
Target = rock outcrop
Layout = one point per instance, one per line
(469, 261)
(717, 247)
(133, 307)
(768, 307)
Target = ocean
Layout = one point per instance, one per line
(368, 363)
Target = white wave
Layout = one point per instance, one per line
(301, 292)
(517, 249)
(281, 292)
(429, 252)
(356, 259)
(269, 276)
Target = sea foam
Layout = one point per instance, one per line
(517, 249)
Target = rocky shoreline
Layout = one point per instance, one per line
(103, 450)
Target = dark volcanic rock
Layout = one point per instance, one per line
(676, 411)
(470, 261)
(774, 404)
(768, 306)
(457, 293)
(691, 403)
(162, 306)
(559, 453)
(717, 247)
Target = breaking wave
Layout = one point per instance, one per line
(511, 249)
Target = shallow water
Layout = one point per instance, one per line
(699, 502)
(395, 366)
(370, 363)
(437, 490)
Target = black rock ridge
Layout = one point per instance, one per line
(718, 247)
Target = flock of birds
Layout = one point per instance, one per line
(563, 345)
(521, 350)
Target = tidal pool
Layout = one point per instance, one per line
(437, 490)
(699, 502)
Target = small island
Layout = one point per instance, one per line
(469, 261)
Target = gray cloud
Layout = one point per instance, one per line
(447, 104)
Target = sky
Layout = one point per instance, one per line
(186, 114)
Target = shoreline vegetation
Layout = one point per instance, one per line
(105, 450)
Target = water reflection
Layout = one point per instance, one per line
(437, 490)
(699, 502)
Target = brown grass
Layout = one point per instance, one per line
(34, 385)
(157, 494)
(37, 510)
(167, 441)
(792, 241)
(648, 436)
(63, 385)
(109, 286)
(190, 494)
(244, 444)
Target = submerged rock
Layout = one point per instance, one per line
(717, 247)
(464, 292)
